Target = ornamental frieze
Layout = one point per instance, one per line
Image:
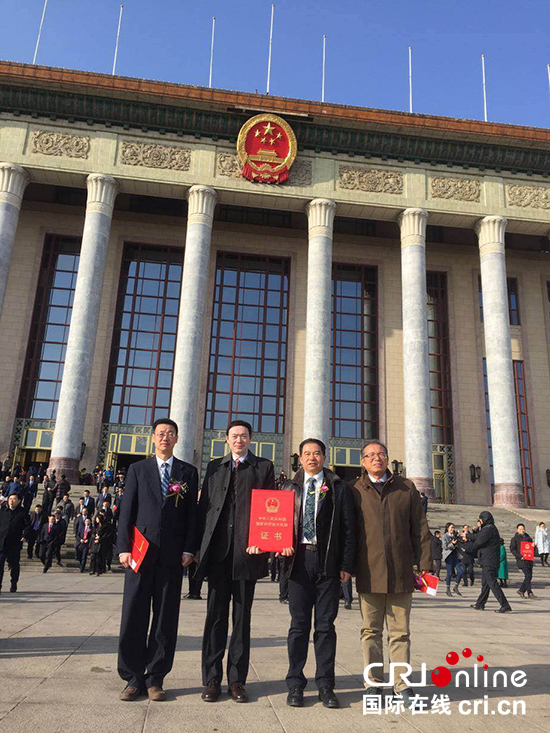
(152, 155)
(371, 181)
(534, 197)
(459, 189)
(60, 144)
(301, 173)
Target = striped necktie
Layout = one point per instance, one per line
(309, 511)
(164, 479)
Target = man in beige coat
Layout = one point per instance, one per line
(392, 537)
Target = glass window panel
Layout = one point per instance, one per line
(267, 450)
(46, 439)
(240, 360)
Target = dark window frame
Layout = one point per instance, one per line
(439, 353)
(512, 288)
(362, 426)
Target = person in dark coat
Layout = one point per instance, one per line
(14, 521)
(160, 500)
(37, 520)
(486, 547)
(231, 565)
(62, 487)
(526, 566)
(52, 538)
(99, 544)
(84, 535)
(89, 502)
(322, 557)
(464, 541)
(437, 551)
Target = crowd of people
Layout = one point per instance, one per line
(44, 528)
(456, 551)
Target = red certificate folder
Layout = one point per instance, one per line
(138, 549)
(527, 550)
(271, 520)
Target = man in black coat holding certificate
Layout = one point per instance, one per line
(231, 566)
(323, 555)
(160, 500)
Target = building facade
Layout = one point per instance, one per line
(397, 285)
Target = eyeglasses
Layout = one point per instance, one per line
(370, 456)
(169, 434)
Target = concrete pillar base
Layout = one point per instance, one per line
(424, 484)
(509, 496)
(68, 466)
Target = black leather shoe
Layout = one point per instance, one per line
(13, 588)
(212, 691)
(328, 698)
(477, 608)
(504, 609)
(238, 692)
(283, 600)
(295, 698)
(347, 606)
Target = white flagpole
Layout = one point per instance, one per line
(410, 81)
(324, 68)
(270, 44)
(548, 70)
(212, 52)
(40, 31)
(484, 87)
(117, 38)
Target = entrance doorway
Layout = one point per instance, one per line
(348, 473)
(29, 458)
(123, 461)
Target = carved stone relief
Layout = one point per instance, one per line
(60, 144)
(153, 155)
(535, 197)
(459, 189)
(372, 181)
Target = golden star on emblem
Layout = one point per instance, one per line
(268, 129)
(279, 136)
(258, 133)
(264, 139)
(272, 141)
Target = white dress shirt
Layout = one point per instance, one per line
(318, 483)
(374, 480)
(238, 458)
(160, 464)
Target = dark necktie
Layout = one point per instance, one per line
(309, 511)
(165, 479)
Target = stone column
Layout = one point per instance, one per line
(194, 286)
(77, 372)
(320, 213)
(500, 372)
(13, 181)
(418, 424)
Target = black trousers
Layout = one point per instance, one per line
(283, 585)
(33, 544)
(437, 567)
(222, 589)
(468, 570)
(527, 570)
(82, 555)
(489, 582)
(13, 557)
(195, 586)
(144, 659)
(47, 552)
(309, 591)
(347, 590)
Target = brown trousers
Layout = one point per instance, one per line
(393, 609)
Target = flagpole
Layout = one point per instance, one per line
(117, 38)
(324, 68)
(212, 52)
(270, 45)
(484, 86)
(40, 31)
(410, 81)
(548, 70)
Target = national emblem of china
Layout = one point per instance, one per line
(266, 147)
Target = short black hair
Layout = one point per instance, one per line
(520, 525)
(374, 441)
(239, 424)
(318, 442)
(163, 421)
(86, 491)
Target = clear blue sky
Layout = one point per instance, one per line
(367, 61)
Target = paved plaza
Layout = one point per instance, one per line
(58, 663)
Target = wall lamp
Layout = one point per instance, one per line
(397, 467)
(475, 473)
(295, 462)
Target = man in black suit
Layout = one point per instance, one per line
(103, 496)
(14, 521)
(160, 499)
(231, 566)
(322, 557)
(51, 539)
(89, 502)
